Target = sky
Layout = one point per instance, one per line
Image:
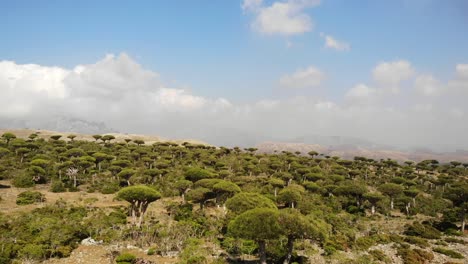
(242, 72)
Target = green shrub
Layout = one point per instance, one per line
(73, 189)
(396, 238)
(329, 249)
(23, 181)
(109, 188)
(379, 255)
(57, 187)
(448, 252)
(63, 251)
(29, 197)
(196, 260)
(415, 256)
(125, 258)
(441, 243)
(422, 230)
(364, 243)
(417, 241)
(151, 251)
(32, 251)
(454, 240)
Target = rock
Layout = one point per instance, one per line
(90, 242)
(143, 261)
(171, 254)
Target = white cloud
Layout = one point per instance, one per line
(427, 85)
(424, 108)
(332, 43)
(251, 5)
(462, 71)
(126, 96)
(283, 18)
(303, 78)
(456, 112)
(360, 91)
(178, 99)
(391, 74)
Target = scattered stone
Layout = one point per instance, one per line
(90, 242)
(171, 254)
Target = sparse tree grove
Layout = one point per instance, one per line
(226, 205)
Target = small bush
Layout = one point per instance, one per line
(379, 255)
(196, 260)
(73, 189)
(109, 188)
(421, 230)
(23, 181)
(448, 252)
(329, 250)
(57, 187)
(417, 241)
(414, 256)
(441, 243)
(454, 240)
(63, 251)
(364, 243)
(29, 197)
(396, 238)
(32, 251)
(151, 252)
(125, 258)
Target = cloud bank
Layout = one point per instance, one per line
(281, 17)
(400, 107)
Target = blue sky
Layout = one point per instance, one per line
(216, 49)
(209, 45)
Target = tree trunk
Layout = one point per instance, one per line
(74, 181)
(373, 210)
(463, 222)
(142, 212)
(290, 247)
(391, 203)
(133, 208)
(262, 251)
(276, 191)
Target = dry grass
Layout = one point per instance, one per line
(8, 204)
(85, 254)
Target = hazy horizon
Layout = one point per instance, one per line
(240, 72)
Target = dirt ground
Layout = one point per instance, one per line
(103, 254)
(84, 254)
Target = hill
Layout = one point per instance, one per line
(141, 200)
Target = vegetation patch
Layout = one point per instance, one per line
(379, 255)
(30, 197)
(422, 230)
(125, 258)
(448, 252)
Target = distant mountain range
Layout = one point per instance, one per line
(350, 151)
(57, 123)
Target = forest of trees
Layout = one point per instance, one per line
(228, 203)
